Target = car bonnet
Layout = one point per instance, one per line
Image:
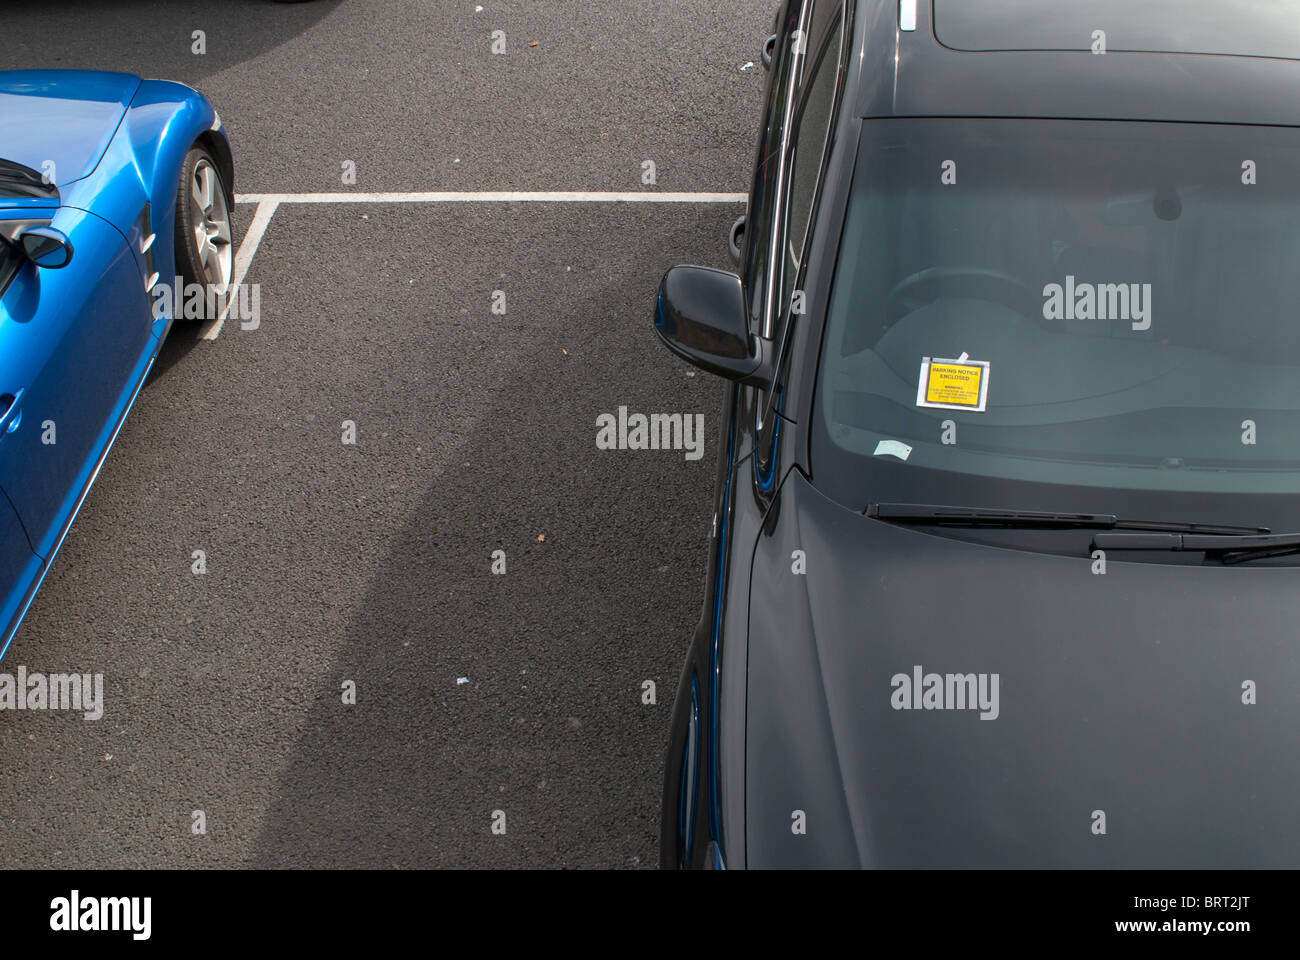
(60, 122)
(1144, 717)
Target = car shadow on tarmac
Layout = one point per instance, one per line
(159, 32)
(521, 694)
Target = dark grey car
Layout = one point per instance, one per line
(1005, 568)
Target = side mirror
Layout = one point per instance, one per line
(701, 317)
(46, 247)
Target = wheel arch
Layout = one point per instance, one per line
(217, 145)
(165, 121)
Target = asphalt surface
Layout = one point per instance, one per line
(371, 563)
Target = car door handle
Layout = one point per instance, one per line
(11, 403)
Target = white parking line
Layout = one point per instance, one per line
(243, 257)
(267, 203)
(492, 196)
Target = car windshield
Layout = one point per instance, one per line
(1083, 315)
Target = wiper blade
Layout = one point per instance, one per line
(941, 515)
(1228, 549)
(18, 181)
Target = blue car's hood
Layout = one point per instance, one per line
(61, 117)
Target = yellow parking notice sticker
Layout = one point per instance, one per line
(960, 384)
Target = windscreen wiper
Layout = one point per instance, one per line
(1227, 549)
(947, 516)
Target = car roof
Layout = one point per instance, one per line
(1222, 61)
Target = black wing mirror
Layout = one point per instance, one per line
(46, 247)
(701, 317)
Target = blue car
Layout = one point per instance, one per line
(110, 185)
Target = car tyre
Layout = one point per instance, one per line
(204, 245)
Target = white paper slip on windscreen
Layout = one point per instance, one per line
(894, 448)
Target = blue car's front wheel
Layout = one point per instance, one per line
(204, 245)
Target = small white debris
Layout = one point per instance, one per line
(478, 9)
(749, 65)
(460, 680)
(690, 373)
